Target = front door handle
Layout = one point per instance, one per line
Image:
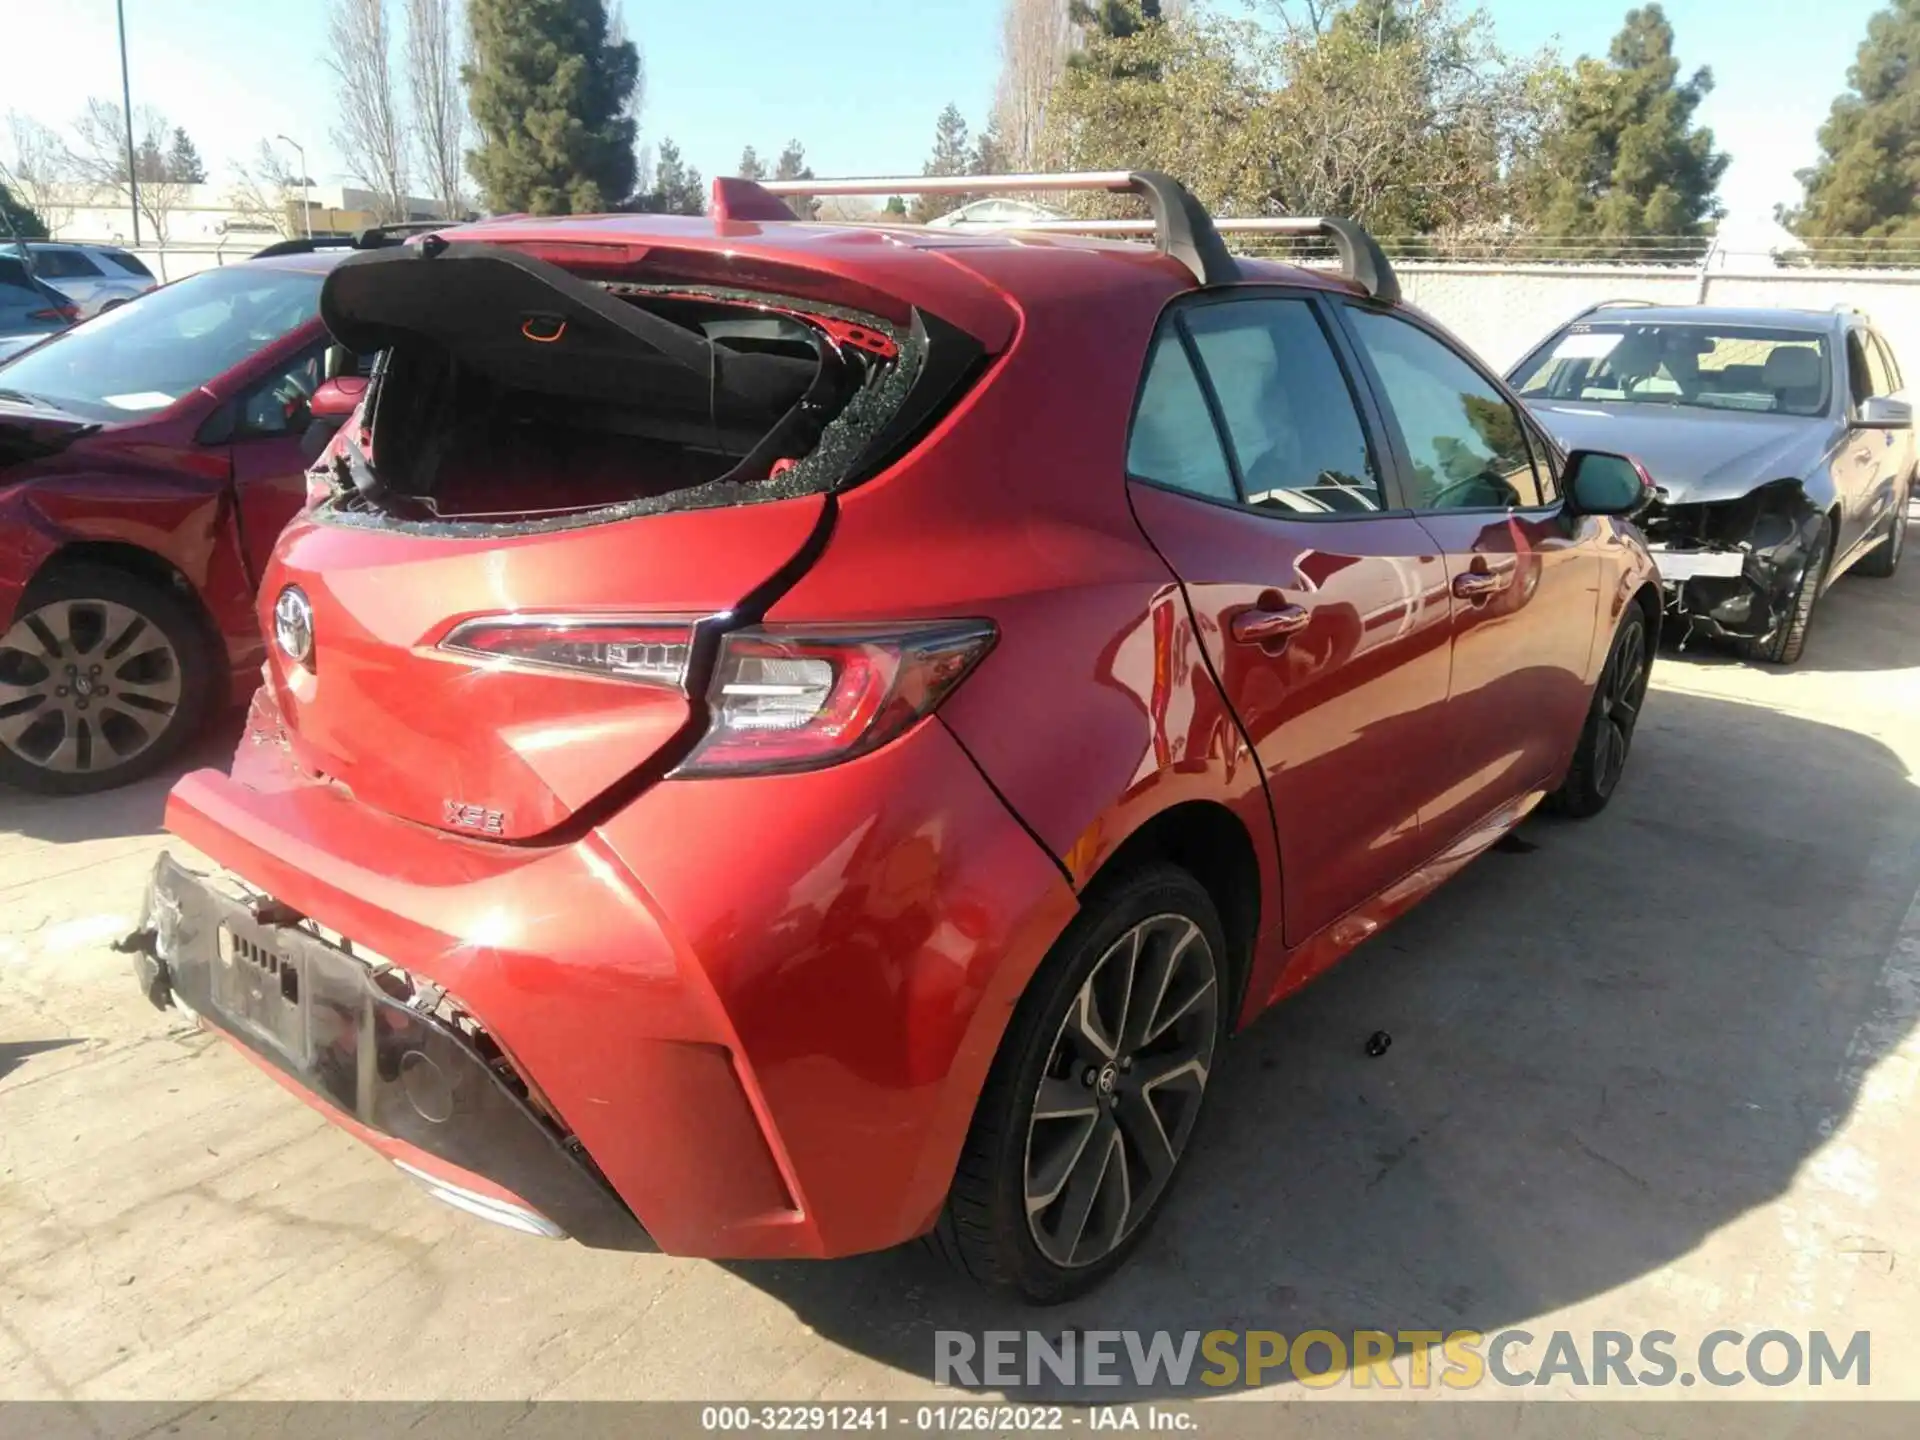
(1263, 626)
(1484, 580)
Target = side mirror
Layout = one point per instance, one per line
(1597, 483)
(336, 399)
(1883, 412)
(327, 411)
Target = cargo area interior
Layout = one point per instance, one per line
(584, 398)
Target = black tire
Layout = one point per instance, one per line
(1883, 560)
(1600, 757)
(985, 1230)
(1789, 641)
(163, 669)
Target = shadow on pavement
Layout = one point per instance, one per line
(136, 809)
(14, 1053)
(1605, 1049)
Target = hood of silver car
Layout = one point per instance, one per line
(1695, 455)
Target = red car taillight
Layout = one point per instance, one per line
(69, 313)
(782, 698)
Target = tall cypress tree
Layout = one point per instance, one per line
(184, 164)
(1626, 158)
(1867, 180)
(548, 88)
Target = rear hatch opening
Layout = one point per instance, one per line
(512, 394)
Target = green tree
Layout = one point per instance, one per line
(549, 90)
(677, 186)
(1400, 113)
(952, 155)
(792, 165)
(183, 162)
(1625, 157)
(18, 218)
(896, 205)
(752, 167)
(989, 153)
(1867, 180)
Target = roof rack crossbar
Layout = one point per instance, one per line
(372, 238)
(1181, 226)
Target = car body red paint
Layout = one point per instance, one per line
(765, 1006)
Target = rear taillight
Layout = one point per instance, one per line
(650, 651)
(68, 313)
(798, 699)
(782, 698)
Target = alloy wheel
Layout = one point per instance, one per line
(1121, 1090)
(1623, 692)
(85, 686)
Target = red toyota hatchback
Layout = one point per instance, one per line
(784, 738)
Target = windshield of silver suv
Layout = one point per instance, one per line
(144, 356)
(1709, 367)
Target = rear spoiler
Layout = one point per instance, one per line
(1181, 226)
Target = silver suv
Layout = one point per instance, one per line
(94, 277)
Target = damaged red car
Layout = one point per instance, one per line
(782, 738)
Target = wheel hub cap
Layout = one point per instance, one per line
(85, 685)
(1121, 1090)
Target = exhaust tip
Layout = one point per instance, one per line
(500, 1212)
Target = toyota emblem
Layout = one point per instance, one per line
(293, 624)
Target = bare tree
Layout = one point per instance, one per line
(1035, 39)
(264, 191)
(439, 108)
(40, 169)
(371, 133)
(100, 161)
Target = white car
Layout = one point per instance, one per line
(94, 277)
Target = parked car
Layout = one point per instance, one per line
(1781, 443)
(785, 738)
(95, 277)
(30, 309)
(147, 460)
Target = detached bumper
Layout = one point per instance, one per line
(345, 1033)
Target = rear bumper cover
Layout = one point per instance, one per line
(397, 1071)
(763, 1008)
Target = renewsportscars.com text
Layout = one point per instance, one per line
(1406, 1359)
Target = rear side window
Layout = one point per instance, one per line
(1174, 442)
(1289, 415)
(1466, 444)
(64, 265)
(129, 263)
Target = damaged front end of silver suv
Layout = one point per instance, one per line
(1732, 569)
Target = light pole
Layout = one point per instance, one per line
(306, 210)
(126, 108)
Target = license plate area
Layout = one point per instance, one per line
(1690, 564)
(261, 986)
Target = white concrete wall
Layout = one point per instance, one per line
(1505, 310)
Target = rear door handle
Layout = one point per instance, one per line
(1263, 626)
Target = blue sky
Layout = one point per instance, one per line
(859, 81)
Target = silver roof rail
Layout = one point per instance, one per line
(1181, 226)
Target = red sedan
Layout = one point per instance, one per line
(147, 462)
(783, 738)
